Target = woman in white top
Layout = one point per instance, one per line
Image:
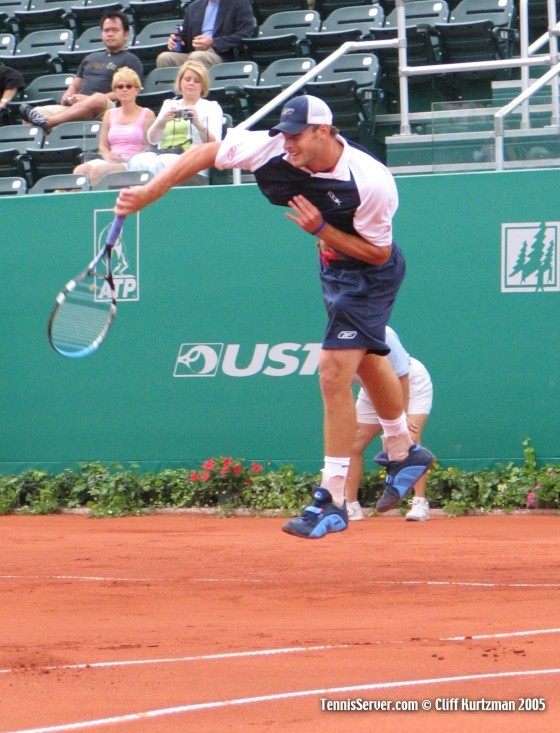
(182, 123)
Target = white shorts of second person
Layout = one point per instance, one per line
(420, 399)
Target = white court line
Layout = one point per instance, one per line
(461, 583)
(501, 636)
(99, 578)
(129, 580)
(195, 707)
(282, 650)
(94, 578)
(199, 658)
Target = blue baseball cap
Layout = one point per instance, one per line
(300, 112)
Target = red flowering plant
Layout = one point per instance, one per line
(222, 481)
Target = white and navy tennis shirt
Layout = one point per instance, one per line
(359, 196)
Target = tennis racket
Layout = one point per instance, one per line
(85, 308)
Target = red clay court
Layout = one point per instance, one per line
(181, 622)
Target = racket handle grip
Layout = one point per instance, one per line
(115, 230)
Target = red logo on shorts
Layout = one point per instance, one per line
(231, 153)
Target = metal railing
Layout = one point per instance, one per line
(528, 57)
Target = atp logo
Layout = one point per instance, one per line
(125, 255)
(530, 257)
(212, 359)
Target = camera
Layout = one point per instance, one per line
(184, 114)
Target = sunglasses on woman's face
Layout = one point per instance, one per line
(124, 86)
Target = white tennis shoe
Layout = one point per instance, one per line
(355, 512)
(419, 511)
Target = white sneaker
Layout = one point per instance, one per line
(419, 511)
(354, 510)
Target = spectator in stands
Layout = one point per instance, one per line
(90, 94)
(182, 123)
(11, 81)
(211, 33)
(124, 128)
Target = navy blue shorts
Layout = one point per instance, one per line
(359, 299)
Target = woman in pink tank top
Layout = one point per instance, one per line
(123, 130)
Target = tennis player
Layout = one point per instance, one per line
(418, 393)
(344, 198)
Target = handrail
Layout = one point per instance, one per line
(528, 57)
(311, 74)
(502, 113)
(302, 80)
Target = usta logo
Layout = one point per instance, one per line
(234, 360)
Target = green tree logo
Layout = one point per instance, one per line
(529, 254)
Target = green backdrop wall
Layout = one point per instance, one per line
(214, 350)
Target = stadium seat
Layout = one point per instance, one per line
(21, 137)
(158, 86)
(49, 161)
(12, 185)
(477, 30)
(88, 15)
(151, 41)
(84, 135)
(9, 162)
(422, 48)
(538, 17)
(264, 8)
(342, 25)
(349, 87)
(69, 61)
(419, 12)
(48, 41)
(277, 76)
(7, 44)
(40, 15)
(145, 12)
(122, 179)
(326, 7)
(227, 82)
(280, 36)
(61, 182)
(500, 12)
(7, 10)
(34, 54)
(45, 89)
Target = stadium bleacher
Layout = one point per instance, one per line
(42, 36)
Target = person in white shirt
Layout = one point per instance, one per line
(182, 123)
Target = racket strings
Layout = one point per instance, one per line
(81, 320)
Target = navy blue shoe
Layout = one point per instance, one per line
(382, 458)
(402, 475)
(320, 518)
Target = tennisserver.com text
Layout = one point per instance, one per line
(439, 704)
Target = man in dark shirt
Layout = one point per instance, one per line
(212, 30)
(90, 94)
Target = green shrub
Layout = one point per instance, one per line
(228, 484)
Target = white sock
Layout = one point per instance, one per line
(334, 477)
(396, 437)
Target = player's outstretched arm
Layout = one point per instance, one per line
(193, 161)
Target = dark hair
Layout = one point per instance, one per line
(108, 14)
